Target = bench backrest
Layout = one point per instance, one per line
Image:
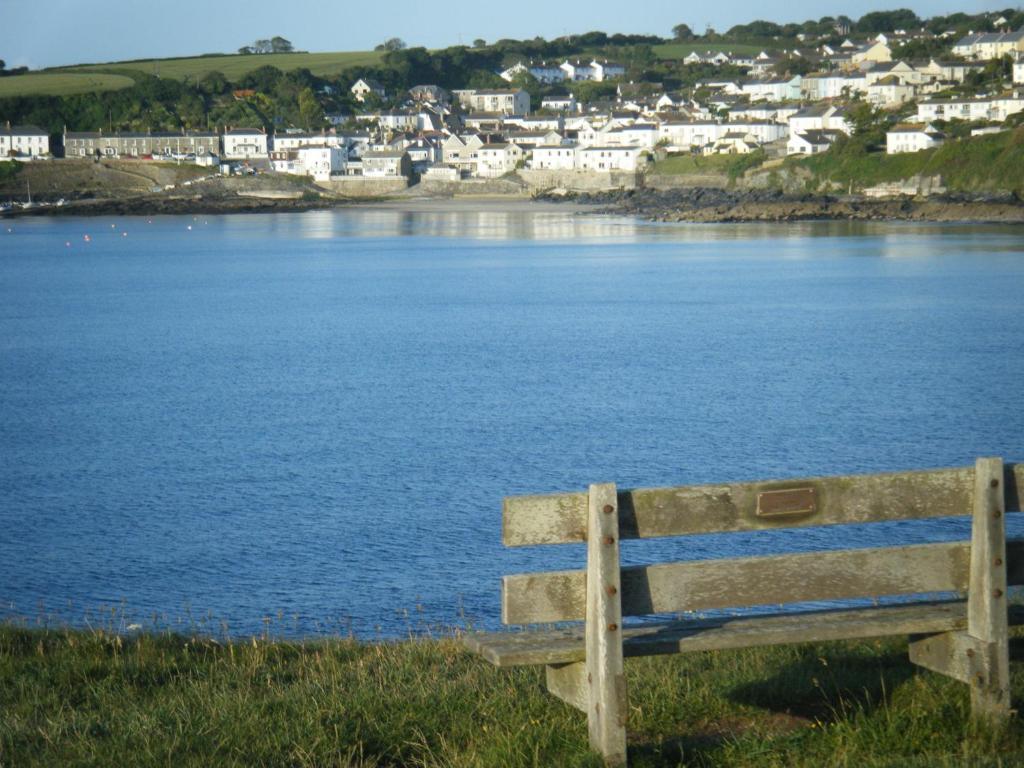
(985, 491)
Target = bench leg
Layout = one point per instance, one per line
(606, 682)
(980, 656)
(986, 597)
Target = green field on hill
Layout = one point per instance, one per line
(61, 84)
(234, 66)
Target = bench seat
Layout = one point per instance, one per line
(567, 645)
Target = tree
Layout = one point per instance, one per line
(262, 46)
(479, 43)
(246, 50)
(887, 21)
(214, 83)
(280, 45)
(391, 44)
(310, 111)
(682, 32)
(792, 66)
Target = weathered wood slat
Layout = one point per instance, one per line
(569, 683)
(535, 598)
(645, 513)
(564, 646)
(954, 654)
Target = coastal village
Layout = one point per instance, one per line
(435, 136)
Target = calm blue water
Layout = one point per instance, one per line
(314, 417)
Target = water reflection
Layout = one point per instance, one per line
(523, 221)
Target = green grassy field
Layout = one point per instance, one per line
(95, 698)
(61, 84)
(235, 66)
(732, 166)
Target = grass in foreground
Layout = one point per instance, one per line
(78, 698)
(61, 84)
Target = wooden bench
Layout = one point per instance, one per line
(962, 637)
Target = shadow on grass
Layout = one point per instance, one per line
(811, 691)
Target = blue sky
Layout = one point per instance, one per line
(40, 33)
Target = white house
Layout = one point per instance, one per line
(683, 136)
(898, 69)
(874, 52)
(399, 119)
(460, 151)
(911, 138)
(1018, 71)
(606, 70)
(553, 157)
(506, 101)
(819, 117)
(733, 143)
(890, 92)
(636, 135)
(245, 143)
(387, 164)
(776, 89)
(609, 158)
(321, 162)
(952, 71)
(495, 160)
(547, 72)
(811, 142)
(365, 86)
(530, 139)
(543, 72)
(1006, 105)
(990, 45)
(510, 73)
(954, 109)
(560, 103)
(424, 153)
(23, 142)
(763, 113)
(295, 139)
(577, 70)
(536, 122)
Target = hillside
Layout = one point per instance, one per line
(62, 84)
(985, 164)
(235, 65)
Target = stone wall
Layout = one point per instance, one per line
(360, 186)
(440, 188)
(685, 181)
(579, 181)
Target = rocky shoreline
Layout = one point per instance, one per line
(161, 205)
(692, 204)
(703, 204)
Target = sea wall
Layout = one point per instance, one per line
(361, 186)
(469, 187)
(580, 181)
